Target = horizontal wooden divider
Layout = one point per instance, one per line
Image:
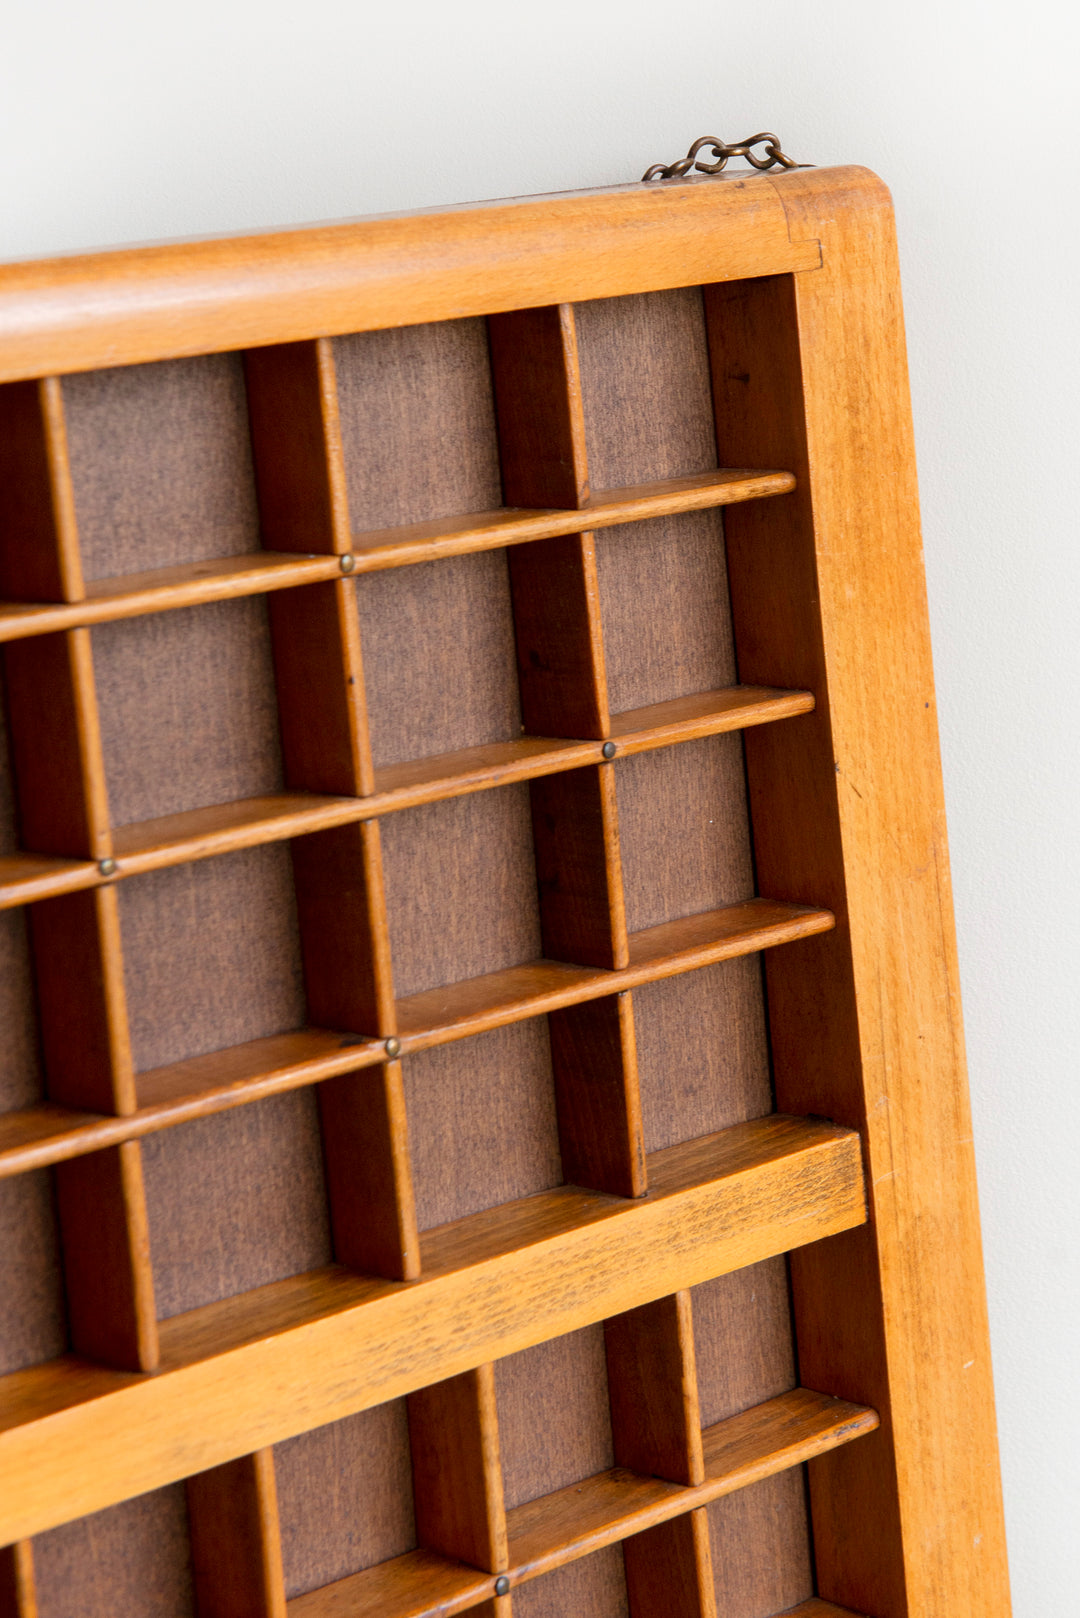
(299, 1353)
(223, 828)
(223, 579)
(558, 1528)
(36, 1137)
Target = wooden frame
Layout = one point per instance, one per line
(864, 1173)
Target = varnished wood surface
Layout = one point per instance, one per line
(225, 578)
(717, 1204)
(235, 1539)
(558, 1528)
(136, 304)
(248, 823)
(251, 1072)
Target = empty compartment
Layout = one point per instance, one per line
(188, 709)
(161, 464)
(743, 1339)
(33, 1327)
(439, 663)
(761, 1554)
(345, 1497)
(134, 1559)
(460, 888)
(554, 1419)
(417, 423)
(235, 1201)
(211, 955)
(482, 1125)
(592, 1587)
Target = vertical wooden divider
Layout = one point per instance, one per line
(341, 904)
(236, 1540)
(78, 963)
(18, 1594)
(457, 1475)
(656, 1430)
(560, 654)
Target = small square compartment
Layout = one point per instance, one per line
(554, 1417)
(134, 1558)
(345, 1497)
(211, 955)
(482, 1124)
(188, 709)
(460, 888)
(161, 465)
(592, 1587)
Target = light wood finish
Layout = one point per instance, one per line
(224, 579)
(369, 388)
(204, 1085)
(457, 1476)
(18, 1596)
(853, 809)
(235, 1540)
(119, 308)
(715, 1204)
(249, 823)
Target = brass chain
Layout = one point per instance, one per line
(722, 151)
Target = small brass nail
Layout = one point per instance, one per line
(347, 563)
(393, 1047)
(107, 867)
(502, 1585)
(608, 749)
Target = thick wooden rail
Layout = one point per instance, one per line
(39, 1136)
(168, 589)
(602, 1510)
(250, 822)
(297, 1354)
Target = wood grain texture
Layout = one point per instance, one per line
(831, 346)
(715, 1205)
(652, 1378)
(761, 1547)
(669, 1568)
(296, 445)
(419, 1584)
(235, 1540)
(408, 544)
(554, 1421)
(18, 1593)
(594, 1059)
(319, 676)
(369, 1176)
(70, 313)
(457, 1474)
(39, 549)
(82, 1005)
(579, 868)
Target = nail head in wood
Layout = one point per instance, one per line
(393, 1047)
(608, 749)
(502, 1586)
(347, 564)
(107, 867)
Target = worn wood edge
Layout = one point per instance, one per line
(126, 306)
(301, 1353)
(230, 577)
(199, 834)
(403, 1588)
(766, 1439)
(37, 1137)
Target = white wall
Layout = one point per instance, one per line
(124, 121)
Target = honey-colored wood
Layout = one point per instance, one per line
(594, 1058)
(296, 438)
(578, 870)
(420, 1584)
(39, 553)
(225, 578)
(851, 623)
(248, 823)
(110, 1297)
(457, 1479)
(655, 1420)
(18, 1596)
(369, 1172)
(235, 1549)
(120, 308)
(300, 1353)
(669, 1568)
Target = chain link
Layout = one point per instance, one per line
(720, 149)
